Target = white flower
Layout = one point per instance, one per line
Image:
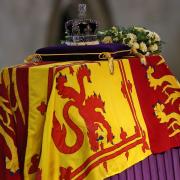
(149, 41)
(156, 37)
(132, 37)
(107, 39)
(130, 43)
(143, 47)
(153, 48)
(153, 35)
(146, 30)
(135, 45)
(114, 28)
(150, 35)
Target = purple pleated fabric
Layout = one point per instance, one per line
(164, 166)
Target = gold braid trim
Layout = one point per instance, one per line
(103, 55)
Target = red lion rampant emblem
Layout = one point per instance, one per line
(87, 107)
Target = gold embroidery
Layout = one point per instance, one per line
(172, 97)
(11, 163)
(170, 79)
(162, 61)
(166, 118)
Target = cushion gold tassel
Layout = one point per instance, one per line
(107, 55)
(141, 56)
(33, 57)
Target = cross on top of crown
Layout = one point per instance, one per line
(82, 11)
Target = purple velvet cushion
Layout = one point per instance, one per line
(70, 53)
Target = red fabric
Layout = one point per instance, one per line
(21, 126)
(4, 173)
(148, 97)
(2, 160)
(17, 123)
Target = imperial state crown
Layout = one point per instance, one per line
(81, 31)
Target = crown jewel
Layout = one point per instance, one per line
(81, 30)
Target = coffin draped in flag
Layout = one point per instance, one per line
(75, 120)
(93, 122)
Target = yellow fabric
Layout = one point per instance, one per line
(37, 94)
(118, 114)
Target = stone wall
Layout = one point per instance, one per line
(24, 25)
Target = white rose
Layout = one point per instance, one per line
(143, 47)
(107, 39)
(150, 35)
(153, 47)
(132, 37)
(135, 45)
(130, 43)
(156, 37)
(153, 35)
